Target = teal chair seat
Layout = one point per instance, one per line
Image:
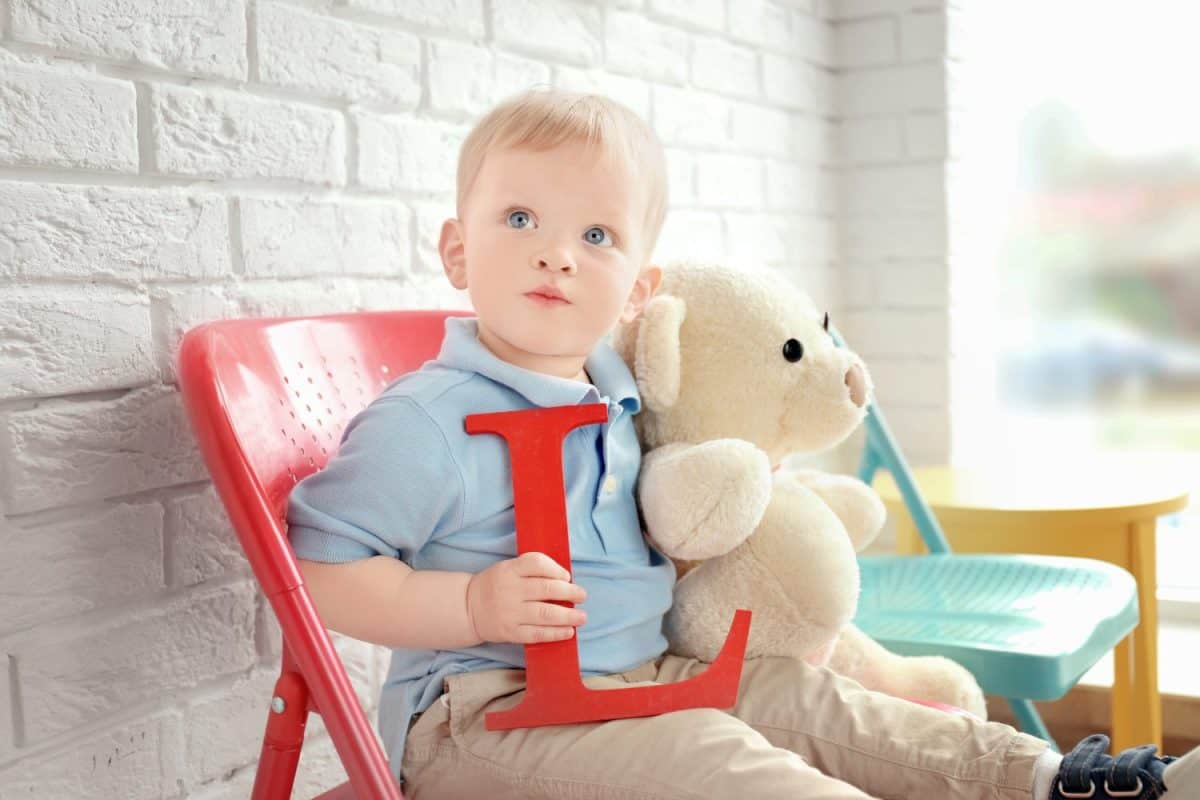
(1024, 626)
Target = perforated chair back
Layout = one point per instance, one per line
(268, 400)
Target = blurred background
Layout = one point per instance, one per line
(1088, 202)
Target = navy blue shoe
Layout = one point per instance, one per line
(1089, 771)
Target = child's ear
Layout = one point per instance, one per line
(454, 253)
(645, 287)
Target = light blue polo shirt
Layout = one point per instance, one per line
(409, 482)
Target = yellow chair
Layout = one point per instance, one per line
(1105, 512)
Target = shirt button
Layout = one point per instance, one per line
(610, 484)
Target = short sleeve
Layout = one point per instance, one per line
(392, 485)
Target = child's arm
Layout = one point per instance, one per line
(384, 601)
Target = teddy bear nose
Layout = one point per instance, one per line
(857, 381)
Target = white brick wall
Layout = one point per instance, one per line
(168, 162)
(892, 106)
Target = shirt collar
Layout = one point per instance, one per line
(461, 349)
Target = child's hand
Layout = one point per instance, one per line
(506, 602)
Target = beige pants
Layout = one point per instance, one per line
(797, 731)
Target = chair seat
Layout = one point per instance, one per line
(1025, 626)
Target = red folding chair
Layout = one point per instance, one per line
(268, 400)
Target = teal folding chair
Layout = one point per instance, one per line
(1027, 627)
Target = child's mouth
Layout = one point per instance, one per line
(546, 299)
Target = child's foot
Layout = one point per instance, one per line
(1135, 774)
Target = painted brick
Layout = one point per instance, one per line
(55, 340)
(87, 450)
(7, 725)
(691, 235)
(899, 333)
(795, 187)
(708, 14)
(631, 92)
(681, 178)
(94, 559)
(223, 134)
(459, 16)
(57, 118)
(776, 27)
(923, 434)
(200, 542)
(236, 785)
(809, 37)
(724, 67)
(909, 285)
(871, 140)
(132, 761)
(809, 239)
(268, 637)
(95, 669)
(918, 87)
(911, 236)
(91, 232)
(730, 181)
(858, 286)
(911, 382)
(320, 769)
(796, 84)
(432, 292)
(866, 43)
(757, 129)
(645, 49)
(894, 189)
(180, 35)
(749, 23)
(224, 730)
(923, 36)
(468, 79)
(357, 62)
(754, 238)
(927, 135)
(428, 219)
(686, 117)
(282, 237)
(857, 9)
(400, 152)
(549, 29)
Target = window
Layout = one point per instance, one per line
(1082, 149)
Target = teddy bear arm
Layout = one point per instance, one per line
(855, 503)
(701, 501)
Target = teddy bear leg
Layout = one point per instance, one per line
(928, 678)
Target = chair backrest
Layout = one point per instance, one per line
(269, 399)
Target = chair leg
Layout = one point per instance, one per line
(1030, 721)
(283, 739)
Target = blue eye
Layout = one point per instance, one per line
(520, 219)
(597, 236)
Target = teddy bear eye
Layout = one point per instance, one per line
(792, 350)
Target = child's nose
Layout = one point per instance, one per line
(558, 260)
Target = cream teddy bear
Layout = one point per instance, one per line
(737, 371)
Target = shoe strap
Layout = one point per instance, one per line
(1075, 772)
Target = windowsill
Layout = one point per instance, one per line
(1178, 641)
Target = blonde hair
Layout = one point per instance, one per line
(543, 118)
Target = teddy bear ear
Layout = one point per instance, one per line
(656, 355)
